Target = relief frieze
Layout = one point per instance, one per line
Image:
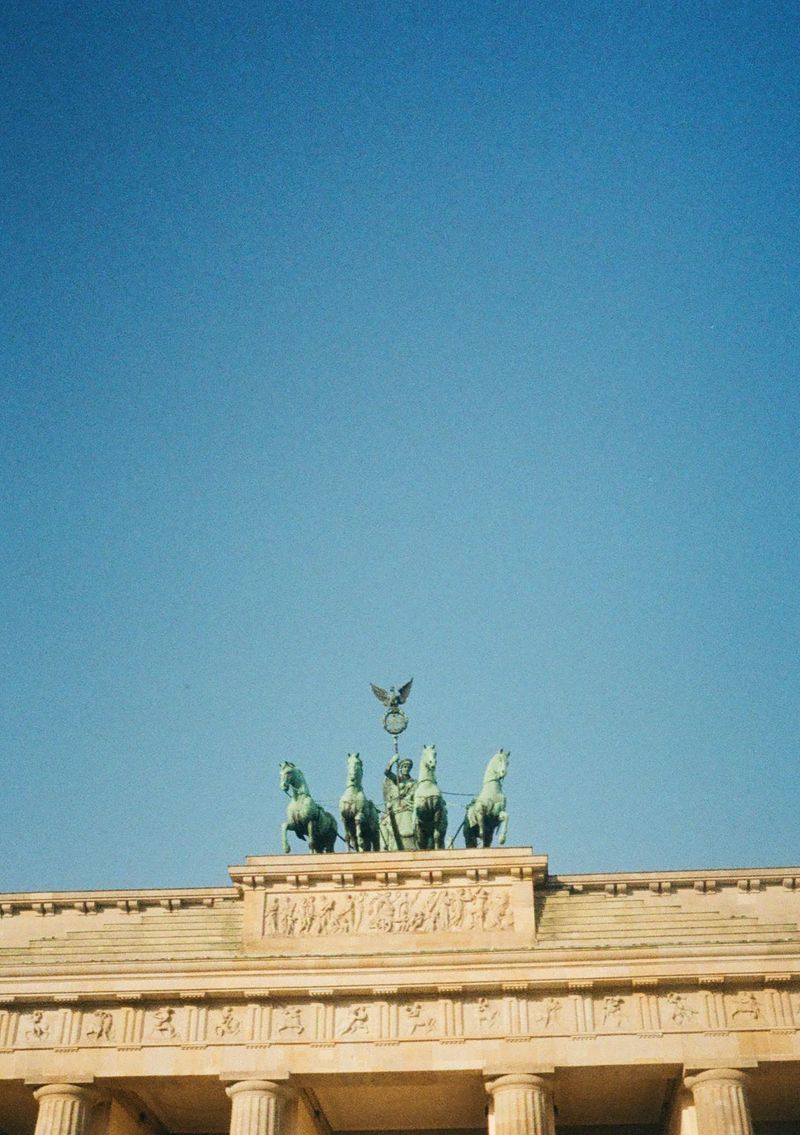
(100, 1025)
(743, 1008)
(391, 1018)
(407, 911)
(420, 1019)
(680, 1009)
(163, 1023)
(229, 1023)
(38, 1026)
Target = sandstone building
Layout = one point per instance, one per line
(450, 993)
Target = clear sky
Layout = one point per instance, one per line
(345, 342)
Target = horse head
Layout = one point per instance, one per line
(497, 767)
(355, 770)
(427, 762)
(291, 776)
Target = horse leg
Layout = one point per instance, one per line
(349, 829)
(328, 831)
(285, 836)
(470, 830)
(503, 817)
(439, 826)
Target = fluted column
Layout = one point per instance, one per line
(720, 1102)
(257, 1107)
(523, 1105)
(63, 1109)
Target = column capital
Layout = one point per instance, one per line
(257, 1107)
(520, 1080)
(63, 1109)
(522, 1104)
(69, 1091)
(716, 1076)
(261, 1087)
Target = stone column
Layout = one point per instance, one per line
(257, 1107)
(720, 1102)
(523, 1105)
(63, 1109)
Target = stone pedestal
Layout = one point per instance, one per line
(523, 1105)
(63, 1109)
(257, 1108)
(720, 1102)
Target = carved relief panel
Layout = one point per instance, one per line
(408, 910)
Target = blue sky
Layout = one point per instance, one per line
(350, 342)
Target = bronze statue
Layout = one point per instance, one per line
(359, 815)
(392, 698)
(487, 811)
(397, 822)
(430, 810)
(304, 816)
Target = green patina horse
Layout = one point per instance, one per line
(304, 816)
(487, 812)
(359, 815)
(430, 810)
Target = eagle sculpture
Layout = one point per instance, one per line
(392, 698)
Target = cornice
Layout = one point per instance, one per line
(128, 901)
(745, 879)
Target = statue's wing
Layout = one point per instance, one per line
(405, 690)
(380, 694)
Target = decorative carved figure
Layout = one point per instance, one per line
(39, 1028)
(551, 1009)
(164, 1018)
(682, 1012)
(359, 1021)
(487, 1014)
(417, 1021)
(304, 816)
(612, 1010)
(745, 1005)
(475, 908)
(290, 1020)
(228, 1026)
(359, 815)
(487, 812)
(101, 1026)
(430, 810)
(346, 916)
(271, 915)
(498, 911)
(397, 821)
